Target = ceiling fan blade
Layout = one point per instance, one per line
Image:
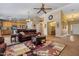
(36, 8)
(44, 11)
(39, 11)
(48, 8)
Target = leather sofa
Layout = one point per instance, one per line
(39, 40)
(2, 46)
(22, 38)
(27, 31)
(27, 34)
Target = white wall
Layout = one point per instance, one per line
(75, 29)
(45, 27)
(57, 19)
(58, 27)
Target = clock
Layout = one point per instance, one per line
(50, 17)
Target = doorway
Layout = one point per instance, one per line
(51, 28)
(73, 27)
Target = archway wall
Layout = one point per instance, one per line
(57, 19)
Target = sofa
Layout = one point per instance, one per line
(23, 38)
(2, 46)
(31, 34)
(38, 40)
(25, 35)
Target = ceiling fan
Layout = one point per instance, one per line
(43, 9)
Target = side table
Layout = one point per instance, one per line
(13, 38)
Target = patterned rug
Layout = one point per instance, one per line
(53, 49)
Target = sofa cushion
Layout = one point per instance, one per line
(22, 33)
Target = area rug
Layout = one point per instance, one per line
(53, 49)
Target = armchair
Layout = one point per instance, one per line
(2, 46)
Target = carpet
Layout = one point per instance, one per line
(53, 49)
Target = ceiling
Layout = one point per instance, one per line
(22, 10)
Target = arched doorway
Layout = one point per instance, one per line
(51, 27)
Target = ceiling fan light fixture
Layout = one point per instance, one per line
(42, 9)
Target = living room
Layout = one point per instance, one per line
(42, 29)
